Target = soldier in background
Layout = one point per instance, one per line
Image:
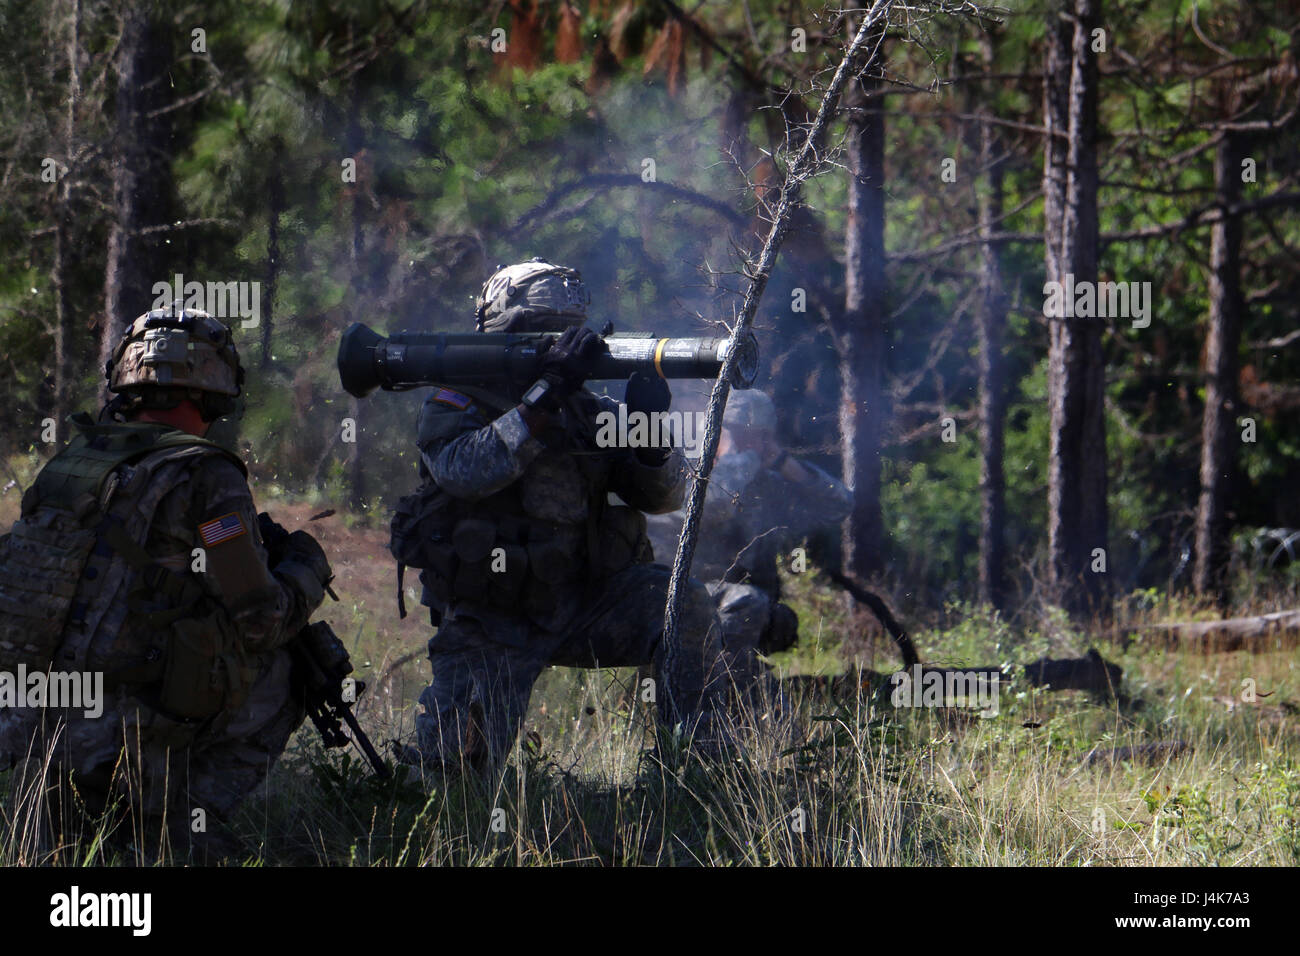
(525, 561)
(138, 556)
(761, 503)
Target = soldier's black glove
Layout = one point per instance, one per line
(274, 536)
(570, 360)
(304, 562)
(649, 395)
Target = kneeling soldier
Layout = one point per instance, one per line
(138, 557)
(526, 563)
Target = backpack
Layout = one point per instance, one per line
(51, 561)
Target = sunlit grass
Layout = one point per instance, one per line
(860, 782)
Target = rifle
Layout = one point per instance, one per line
(320, 666)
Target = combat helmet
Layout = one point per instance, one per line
(749, 409)
(168, 355)
(532, 296)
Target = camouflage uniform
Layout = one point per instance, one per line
(140, 607)
(572, 609)
(753, 515)
(534, 565)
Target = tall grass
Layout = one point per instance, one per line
(855, 781)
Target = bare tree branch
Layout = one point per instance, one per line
(806, 163)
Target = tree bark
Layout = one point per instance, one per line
(360, 286)
(275, 206)
(1077, 511)
(61, 279)
(141, 177)
(861, 338)
(992, 388)
(1218, 424)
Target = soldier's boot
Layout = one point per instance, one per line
(749, 621)
(452, 740)
(782, 631)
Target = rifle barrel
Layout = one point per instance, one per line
(362, 741)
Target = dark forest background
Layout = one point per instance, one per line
(977, 157)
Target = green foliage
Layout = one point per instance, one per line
(464, 161)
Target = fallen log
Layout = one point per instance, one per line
(1146, 754)
(1257, 634)
(1092, 673)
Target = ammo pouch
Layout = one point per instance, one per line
(41, 564)
(419, 517)
(488, 563)
(205, 670)
(457, 555)
(419, 520)
(507, 562)
(622, 539)
(552, 552)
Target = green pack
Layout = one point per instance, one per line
(44, 558)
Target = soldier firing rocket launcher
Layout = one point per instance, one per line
(406, 360)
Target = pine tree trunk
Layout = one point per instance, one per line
(64, 320)
(360, 285)
(992, 388)
(61, 278)
(141, 177)
(1218, 425)
(275, 207)
(861, 334)
(1077, 513)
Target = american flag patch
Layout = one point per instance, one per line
(222, 529)
(448, 397)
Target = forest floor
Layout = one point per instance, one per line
(858, 782)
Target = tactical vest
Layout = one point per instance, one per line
(59, 580)
(521, 548)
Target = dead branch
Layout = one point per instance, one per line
(806, 163)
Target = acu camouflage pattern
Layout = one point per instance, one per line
(137, 746)
(590, 598)
(476, 703)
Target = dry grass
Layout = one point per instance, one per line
(868, 783)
